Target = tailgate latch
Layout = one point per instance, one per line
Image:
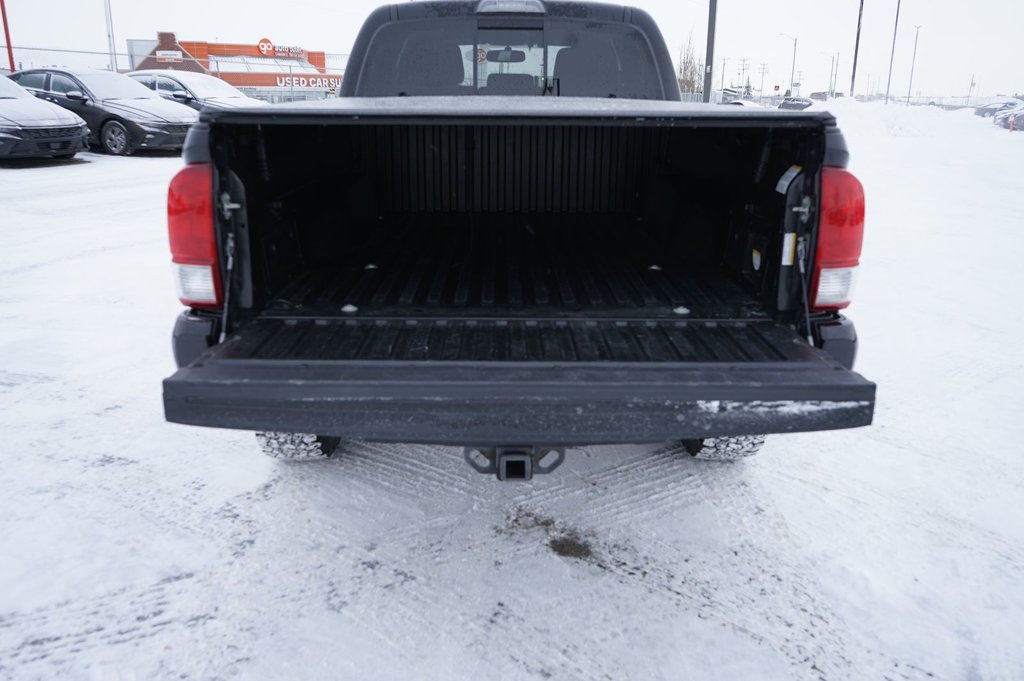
(227, 206)
(803, 210)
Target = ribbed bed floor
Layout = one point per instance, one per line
(577, 272)
(575, 294)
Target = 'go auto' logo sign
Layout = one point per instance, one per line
(266, 47)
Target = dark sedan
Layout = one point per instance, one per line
(31, 128)
(993, 109)
(197, 90)
(796, 103)
(123, 115)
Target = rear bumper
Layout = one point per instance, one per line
(836, 335)
(471, 403)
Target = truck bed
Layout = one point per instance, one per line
(427, 292)
(496, 271)
(515, 272)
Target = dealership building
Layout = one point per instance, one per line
(263, 69)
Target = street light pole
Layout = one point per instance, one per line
(856, 49)
(709, 59)
(7, 34)
(110, 36)
(792, 70)
(888, 85)
(917, 33)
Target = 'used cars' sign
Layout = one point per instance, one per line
(303, 81)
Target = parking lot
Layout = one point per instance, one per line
(132, 548)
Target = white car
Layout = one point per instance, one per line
(1002, 119)
(31, 127)
(197, 90)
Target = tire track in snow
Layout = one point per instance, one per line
(51, 641)
(784, 602)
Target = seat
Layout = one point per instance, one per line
(587, 70)
(511, 84)
(430, 69)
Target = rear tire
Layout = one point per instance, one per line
(724, 448)
(297, 446)
(115, 140)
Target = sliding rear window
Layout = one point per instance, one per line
(460, 57)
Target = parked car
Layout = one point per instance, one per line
(1017, 121)
(122, 115)
(517, 273)
(33, 128)
(1003, 118)
(196, 90)
(992, 109)
(796, 103)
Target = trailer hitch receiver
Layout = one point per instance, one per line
(514, 462)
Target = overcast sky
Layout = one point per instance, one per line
(958, 39)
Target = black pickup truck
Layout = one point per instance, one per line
(509, 234)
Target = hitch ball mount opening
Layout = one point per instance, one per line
(514, 462)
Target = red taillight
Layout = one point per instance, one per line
(840, 236)
(192, 237)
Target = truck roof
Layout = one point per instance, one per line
(576, 10)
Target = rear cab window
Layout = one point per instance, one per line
(476, 56)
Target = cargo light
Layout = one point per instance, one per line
(840, 237)
(510, 7)
(193, 241)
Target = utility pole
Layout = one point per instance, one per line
(7, 34)
(831, 69)
(710, 58)
(917, 33)
(835, 78)
(856, 49)
(110, 36)
(799, 80)
(764, 70)
(968, 101)
(792, 70)
(724, 61)
(888, 85)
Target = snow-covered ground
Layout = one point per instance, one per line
(135, 549)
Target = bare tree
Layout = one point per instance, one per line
(691, 72)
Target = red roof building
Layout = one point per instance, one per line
(262, 69)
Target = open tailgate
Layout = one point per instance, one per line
(558, 382)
